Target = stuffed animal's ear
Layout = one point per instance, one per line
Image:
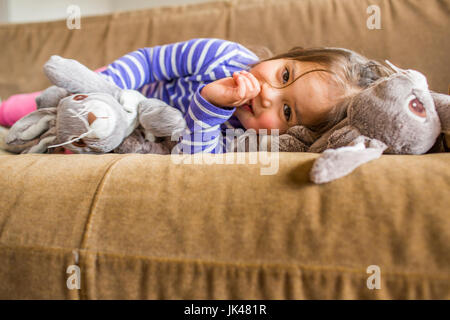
(35, 132)
(289, 143)
(336, 163)
(303, 134)
(50, 97)
(442, 104)
(296, 139)
(77, 78)
(342, 134)
(343, 137)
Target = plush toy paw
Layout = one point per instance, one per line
(159, 119)
(130, 100)
(336, 163)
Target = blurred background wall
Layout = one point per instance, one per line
(19, 11)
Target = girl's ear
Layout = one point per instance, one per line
(442, 105)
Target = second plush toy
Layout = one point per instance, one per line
(395, 115)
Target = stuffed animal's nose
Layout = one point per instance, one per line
(91, 118)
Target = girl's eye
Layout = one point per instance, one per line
(285, 75)
(287, 112)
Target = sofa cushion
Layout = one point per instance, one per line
(146, 226)
(411, 35)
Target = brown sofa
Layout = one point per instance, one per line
(147, 227)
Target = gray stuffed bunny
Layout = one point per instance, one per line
(85, 113)
(395, 115)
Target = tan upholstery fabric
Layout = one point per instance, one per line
(412, 35)
(144, 227)
(3, 133)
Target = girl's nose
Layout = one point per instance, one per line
(268, 95)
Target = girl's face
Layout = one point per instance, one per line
(306, 101)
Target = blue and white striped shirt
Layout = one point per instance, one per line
(176, 73)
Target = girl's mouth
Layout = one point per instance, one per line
(248, 107)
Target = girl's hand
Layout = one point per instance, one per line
(232, 91)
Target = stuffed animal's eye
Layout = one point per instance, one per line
(80, 97)
(416, 107)
(79, 143)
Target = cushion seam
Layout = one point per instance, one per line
(324, 268)
(90, 217)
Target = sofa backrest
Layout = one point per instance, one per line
(412, 34)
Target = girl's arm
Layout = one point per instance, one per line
(203, 133)
(205, 116)
(200, 59)
(172, 61)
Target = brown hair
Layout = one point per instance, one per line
(352, 71)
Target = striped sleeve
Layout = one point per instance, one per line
(171, 61)
(203, 133)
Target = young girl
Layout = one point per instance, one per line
(219, 84)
